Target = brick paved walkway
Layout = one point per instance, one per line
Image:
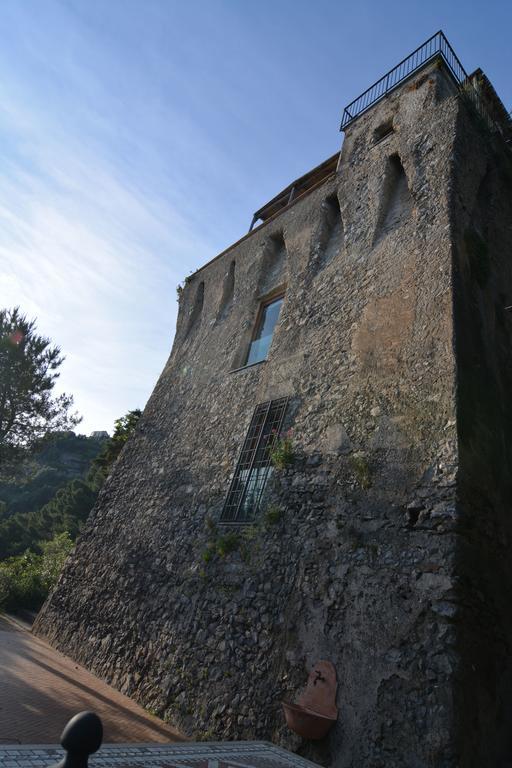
(40, 690)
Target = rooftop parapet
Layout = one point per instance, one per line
(294, 190)
(436, 47)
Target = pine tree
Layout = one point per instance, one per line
(29, 368)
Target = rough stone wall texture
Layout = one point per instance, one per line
(369, 564)
(482, 243)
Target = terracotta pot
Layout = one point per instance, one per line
(305, 722)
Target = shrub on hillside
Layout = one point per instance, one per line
(26, 580)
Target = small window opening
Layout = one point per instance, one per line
(383, 131)
(254, 467)
(264, 330)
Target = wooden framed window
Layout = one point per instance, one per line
(264, 330)
(253, 468)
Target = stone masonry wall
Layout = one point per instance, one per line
(482, 240)
(353, 556)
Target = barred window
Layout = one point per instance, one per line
(254, 467)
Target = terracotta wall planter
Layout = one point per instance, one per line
(315, 711)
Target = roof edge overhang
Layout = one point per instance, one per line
(297, 187)
(328, 167)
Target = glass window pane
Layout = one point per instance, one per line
(258, 350)
(260, 344)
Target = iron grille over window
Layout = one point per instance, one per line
(254, 467)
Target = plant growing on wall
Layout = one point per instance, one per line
(281, 450)
(361, 470)
(217, 545)
(181, 287)
(273, 514)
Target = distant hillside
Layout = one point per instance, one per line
(60, 459)
(49, 492)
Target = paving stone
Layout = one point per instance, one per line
(41, 690)
(215, 755)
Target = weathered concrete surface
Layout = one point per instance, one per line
(364, 566)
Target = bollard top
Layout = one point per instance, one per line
(83, 734)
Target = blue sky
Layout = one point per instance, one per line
(138, 136)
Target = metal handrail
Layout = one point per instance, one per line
(435, 46)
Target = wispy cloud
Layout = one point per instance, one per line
(137, 136)
(92, 246)
(85, 253)
(121, 127)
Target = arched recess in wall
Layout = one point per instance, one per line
(197, 308)
(273, 264)
(329, 239)
(228, 290)
(396, 201)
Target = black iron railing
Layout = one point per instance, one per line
(438, 47)
(435, 46)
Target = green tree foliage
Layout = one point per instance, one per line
(65, 513)
(26, 580)
(68, 510)
(28, 371)
(123, 429)
(57, 460)
(54, 553)
(35, 538)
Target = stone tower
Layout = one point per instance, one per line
(369, 312)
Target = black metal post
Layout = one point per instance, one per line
(80, 738)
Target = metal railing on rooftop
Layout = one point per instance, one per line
(435, 46)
